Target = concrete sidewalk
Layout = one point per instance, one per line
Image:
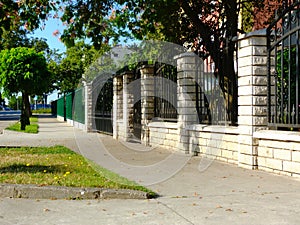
(219, 194)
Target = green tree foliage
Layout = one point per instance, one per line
(15, 102)
(18, 18)
(24, 70)
(71, 68)
(93, 20)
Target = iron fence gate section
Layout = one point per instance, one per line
(283, 68)
(103, 110)
(165, 100)
(137, 107)
(216, 93)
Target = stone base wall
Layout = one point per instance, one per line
(163, 134)
(76, 124)
(60, 118)
(279, 152)
(216, 142)
(121, 130)
(209, 141)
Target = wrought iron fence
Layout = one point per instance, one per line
(103, 111)
(165, 100)
(215, 94)
(283, 68)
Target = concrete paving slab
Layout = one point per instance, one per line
(220, 194)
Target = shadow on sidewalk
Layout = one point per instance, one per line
(44, 115)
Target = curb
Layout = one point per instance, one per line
(71, 193)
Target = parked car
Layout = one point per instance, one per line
(4, 108)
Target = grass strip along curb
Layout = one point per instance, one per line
(58, 166)
(33, 128)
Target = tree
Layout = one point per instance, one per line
(210, 26)
(18, 18)
(89, 20)
(71, 68)
(14, 102)
(24, 70)
(1, 100)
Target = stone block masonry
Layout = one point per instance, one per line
(249, 144)
(252, 94)
(279, 152)
(147, 101)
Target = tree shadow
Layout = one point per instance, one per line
(45, 115)
(23, 168)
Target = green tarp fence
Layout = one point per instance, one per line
(72, 106)
(61, 106)
(69, 106)
(79, 106)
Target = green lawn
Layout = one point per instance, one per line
(32, 128)
(57, 166)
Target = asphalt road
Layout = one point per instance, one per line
(7, 118)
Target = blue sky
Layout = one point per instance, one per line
(53, 42)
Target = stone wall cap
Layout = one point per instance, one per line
(185, 54)
(167, 125)
(277, 135)
(213, 128)
(256, 33)
(145, 66)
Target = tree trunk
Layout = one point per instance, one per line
(25, 111)
(27, 105)
(45, 99)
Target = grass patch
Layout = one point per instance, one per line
(33, 128)
(41, 111)
(58, 166)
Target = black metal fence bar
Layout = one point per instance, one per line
(204, 86)
(103, 112)
(214, 95)
(165, 95)
(283, 68)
